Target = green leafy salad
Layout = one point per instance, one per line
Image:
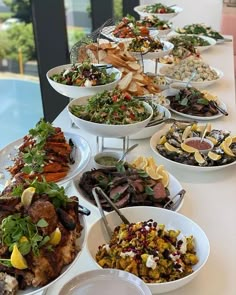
(85, 74)
(111, 107)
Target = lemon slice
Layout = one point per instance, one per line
(160, 169)
(213, 156)
(27, 195)
(140, 162)
(162, 139)
(186, 132)
(188, 148)
(233, 139)
(23, 239)
(194, 127)
(170, 147)
(198, 157)
(17, 259)
(151, 162)
(152, 173)
(228, 140)
(165, 178)
(212, 139)
(227, 149)
(55, 237)
(208, 128)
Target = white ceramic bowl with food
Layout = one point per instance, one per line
(102, 281)
(163, 16)
(108, 130)
(155, 139)
(148, 131)
(211, 41)
(97, 236)
(167, 47)
(203, 84)
(73, 91)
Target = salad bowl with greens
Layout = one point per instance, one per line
(110, 114)
(77, 80)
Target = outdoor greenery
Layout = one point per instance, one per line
(118, 9)
(19, 37)
(74, 35)
(4, 16)
(20, 9)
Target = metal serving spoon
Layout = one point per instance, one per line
(127, 151)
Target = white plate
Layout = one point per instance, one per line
(174, 187)
(165, 161)
(163, 16)
(82, 156)
(149, 131)
(156, 54)
(201, 85)
(107, 32)
(102, 281)
(81, 242)
(169, 92)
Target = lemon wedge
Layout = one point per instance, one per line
(27, 195)
(23, 239)
(165, 178)
(160, 169)
(186, 132)
(228, 140)
(194, 127)
(17, 259)
(188, 148)
(55, 237)
(212, 139)
(213, 156)
(151, 162)
(227, 149)
(152, 173)
(198, 157)
(170, 147)
(140, 163)
(162, 139)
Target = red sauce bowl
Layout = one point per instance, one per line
(204, 145)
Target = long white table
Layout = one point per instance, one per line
(210, 200)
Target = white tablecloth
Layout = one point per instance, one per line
(210, 200)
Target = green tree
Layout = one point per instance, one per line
(118, 9)
(3, 44)
(20, 37)
(20, 9)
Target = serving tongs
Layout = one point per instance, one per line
(219, 108)
(175, 200)
(97, 191)
(168, 121)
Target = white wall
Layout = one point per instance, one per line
(194, 11)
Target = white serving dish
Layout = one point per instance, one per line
(172, 220)
(174, 187)
(156, 54)
(105, 130)
(81, 157)
(77, 91)
(173, 91)
(163, 16)
(102, 281)
(165, 161)
(163, 70)
(148, 131)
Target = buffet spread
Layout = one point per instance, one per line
(171, 90)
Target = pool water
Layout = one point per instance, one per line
(20, 108)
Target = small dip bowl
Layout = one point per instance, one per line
(106, 159)
(203, 145)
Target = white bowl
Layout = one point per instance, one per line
(165, 161)
(156, 54)
(163, 71)
(97, 236)
(77, 91)
(106, 130)
(102, 281)
(114, 155)
(210, 40)
(163, 16)
(148, 131)
(175, 88)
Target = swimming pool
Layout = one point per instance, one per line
(20, 108)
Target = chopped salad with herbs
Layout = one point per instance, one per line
(158, 8)
(188, 40)
(200, 29)
(145, 44)
(111, 107)
(155, 22)
(85, 75)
